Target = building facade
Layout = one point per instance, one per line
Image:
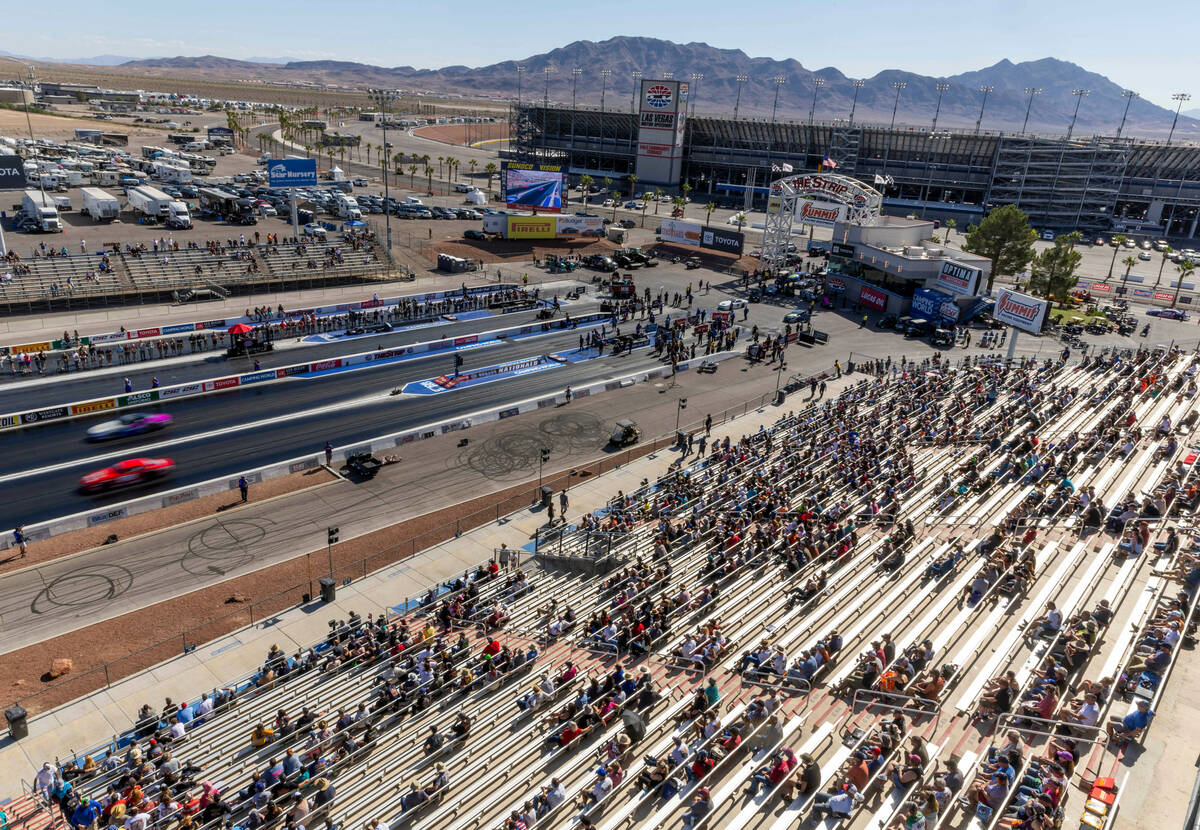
(1096, 185)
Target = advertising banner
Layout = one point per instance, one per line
(1100, 287)
(135, 398)
(719, 239)
(220, 383)
(872, 298)
(949, 311)
(107, 516)
(12, 172)
(1141, 292)
(927, 303)
(657, 120)
(211, 324)
(10, 420)
(180, 391)
(532, 185)
(1020, 310)
(681, 233)
(30, 348)
(821, 214)
(569, 225)
(321, 366)
(532, 227)
(259, 377)
(146, 333)
(49, 414)
(1164, 296)
(842, 249)
(179, 329)
(292, 172)
(93, 406)
(958, 279)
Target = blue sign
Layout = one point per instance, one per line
(179, 328)
(259, 377)
(927, 303)
(292, 172)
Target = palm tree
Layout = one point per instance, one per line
(632, 184)
(491, 170)
(708, 212)
(429, 179)
(677, 205)
(412, 171)
(616, 197)
(658, 192)
(308, 151)
(1128, 262)
(342, 153)
(1185, 270)
(645, 204)
(607, 188)
(472, 164)
(1117, 241)
(441, 161)
(1166, 254)
(741, 220)
(397, 163)
(685, 189)
(951, 224)
(585, 184)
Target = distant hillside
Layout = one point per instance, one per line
(1099, 113)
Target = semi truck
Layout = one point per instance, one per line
(100, 205)
(40, 212)
(150, 201)
(348, 208)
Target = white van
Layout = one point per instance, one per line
(414, 201)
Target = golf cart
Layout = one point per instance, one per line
(624, 433)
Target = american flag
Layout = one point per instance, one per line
(829, 162)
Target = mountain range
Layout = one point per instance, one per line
(1100, 112)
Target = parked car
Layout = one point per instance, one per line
(313, 229)
(798, 316)
(1168, 313)
(731, 305)
(1144, 256)
(474, 233)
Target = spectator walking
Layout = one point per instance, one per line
(244, 486)
(328, 454)
(563, 502)
(19, 540)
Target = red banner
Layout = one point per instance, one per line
(325, 364)
(1165, 296)
(223, 383)
(464, 341)
(872, 299)
(147, 333)
(1102, 287)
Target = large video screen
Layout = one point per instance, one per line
(533, 186)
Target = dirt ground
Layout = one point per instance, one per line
(514, 250)
(91, 537)
(464, 133)
(59, 127)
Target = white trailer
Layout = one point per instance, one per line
(100, 205)
(149, 201)
(41, 212)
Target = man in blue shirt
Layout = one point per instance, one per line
(85, 815)
(1130, 726)
(185, 714)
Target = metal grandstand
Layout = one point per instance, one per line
(1098, 183)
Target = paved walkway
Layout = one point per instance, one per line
(96, 718)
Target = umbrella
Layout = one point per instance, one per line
(240, 328)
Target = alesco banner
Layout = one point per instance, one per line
(1020, 310)
(136, 398)
(292, 172)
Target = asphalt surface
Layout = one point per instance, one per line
(208, 365)
(343, 408)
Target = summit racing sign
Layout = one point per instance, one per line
(658, 96)
(824, 214)
(292, 172)
(1020, 311)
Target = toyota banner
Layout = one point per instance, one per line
(12, 172)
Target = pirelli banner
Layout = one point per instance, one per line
(1020, 311)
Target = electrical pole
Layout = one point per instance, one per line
(979, 121)
(818, 82)
(1128, 95)
(1030, 91)
(383, 99)
(858, 85)
(941, 90)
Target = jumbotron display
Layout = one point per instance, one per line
(537, 186)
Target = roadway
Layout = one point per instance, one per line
(222, 435)
(208, 365)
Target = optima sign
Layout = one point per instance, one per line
(958, 279)
(1020, 311)
(12, 173)
(292, 172)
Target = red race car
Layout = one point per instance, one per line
(124, 473)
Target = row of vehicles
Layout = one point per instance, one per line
(913, 327)
(627, 258)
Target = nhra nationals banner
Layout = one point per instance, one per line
(681, 233)
(1020, 311)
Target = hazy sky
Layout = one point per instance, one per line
(1155, 55)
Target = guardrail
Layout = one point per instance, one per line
(36, 417)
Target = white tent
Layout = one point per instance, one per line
(477, 197)
(337, 174)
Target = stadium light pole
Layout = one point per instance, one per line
(979, 121)
(941, 90)
(1128, 95)
(858, 85)
(779, 81)
(637, 76)
(737, 102)
(575, 73)
(818, 82)
(695, 78)
(383, 99)
(547, 71)
(898, 86)
(605, 74)
(1079, 94)
(1030, 91)
(1179, 97)
(520, 72)
(667, 76)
